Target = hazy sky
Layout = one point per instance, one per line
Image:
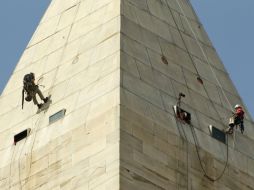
(228, 23)
(19, 20)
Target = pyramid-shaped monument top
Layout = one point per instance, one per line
(114, 70)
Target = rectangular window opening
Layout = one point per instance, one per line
(20, 136)
(57, 116)
(217, 134)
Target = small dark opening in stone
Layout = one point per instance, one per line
(200, 80)
(20, 136)
(164, 59)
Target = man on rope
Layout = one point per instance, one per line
(31, 89)
(236, 120)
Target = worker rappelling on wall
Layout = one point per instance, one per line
(236, 120)
(186, 118)
(31, 89)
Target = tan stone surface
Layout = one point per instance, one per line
(157, 152)
(102, 62)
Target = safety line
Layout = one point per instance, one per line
(185, 45)
(12, 156)
(185, 138)
(204, 54)
(20, 183)
(234, 137)
(187, 148)
(192, 61)
(37, 124)
(199, 157)
(40, 117)
(196, 143)
(65, 45)
(193, 130)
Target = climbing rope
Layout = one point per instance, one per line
(19, 168)
(229, 104)
(12, 157)
(192, 61)
(199, 157)
(185, 138)
(36, 125)
(204, 54)
(62, 54)
(192, 127)
(198, 153)
(187, 149)
(197, 147)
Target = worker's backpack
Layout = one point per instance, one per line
(28, 82)
(28, 86)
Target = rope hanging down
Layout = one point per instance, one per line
(197, 149)
(64, 47)
(204, 54)
(192, 127)
(192, 61)
(199, 157)
(184, 135)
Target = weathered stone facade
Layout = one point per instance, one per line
(117, 67)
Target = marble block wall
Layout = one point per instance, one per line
(117, 67)
(164, 48)
(75, 54)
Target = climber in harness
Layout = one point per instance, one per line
(31, 89)
(236, 120)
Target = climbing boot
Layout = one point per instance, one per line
(39, 106)
(46, 100)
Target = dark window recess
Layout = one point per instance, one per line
(164, 59)
(20, 136)
(217, 134)
(57, 116)
(182, 114)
